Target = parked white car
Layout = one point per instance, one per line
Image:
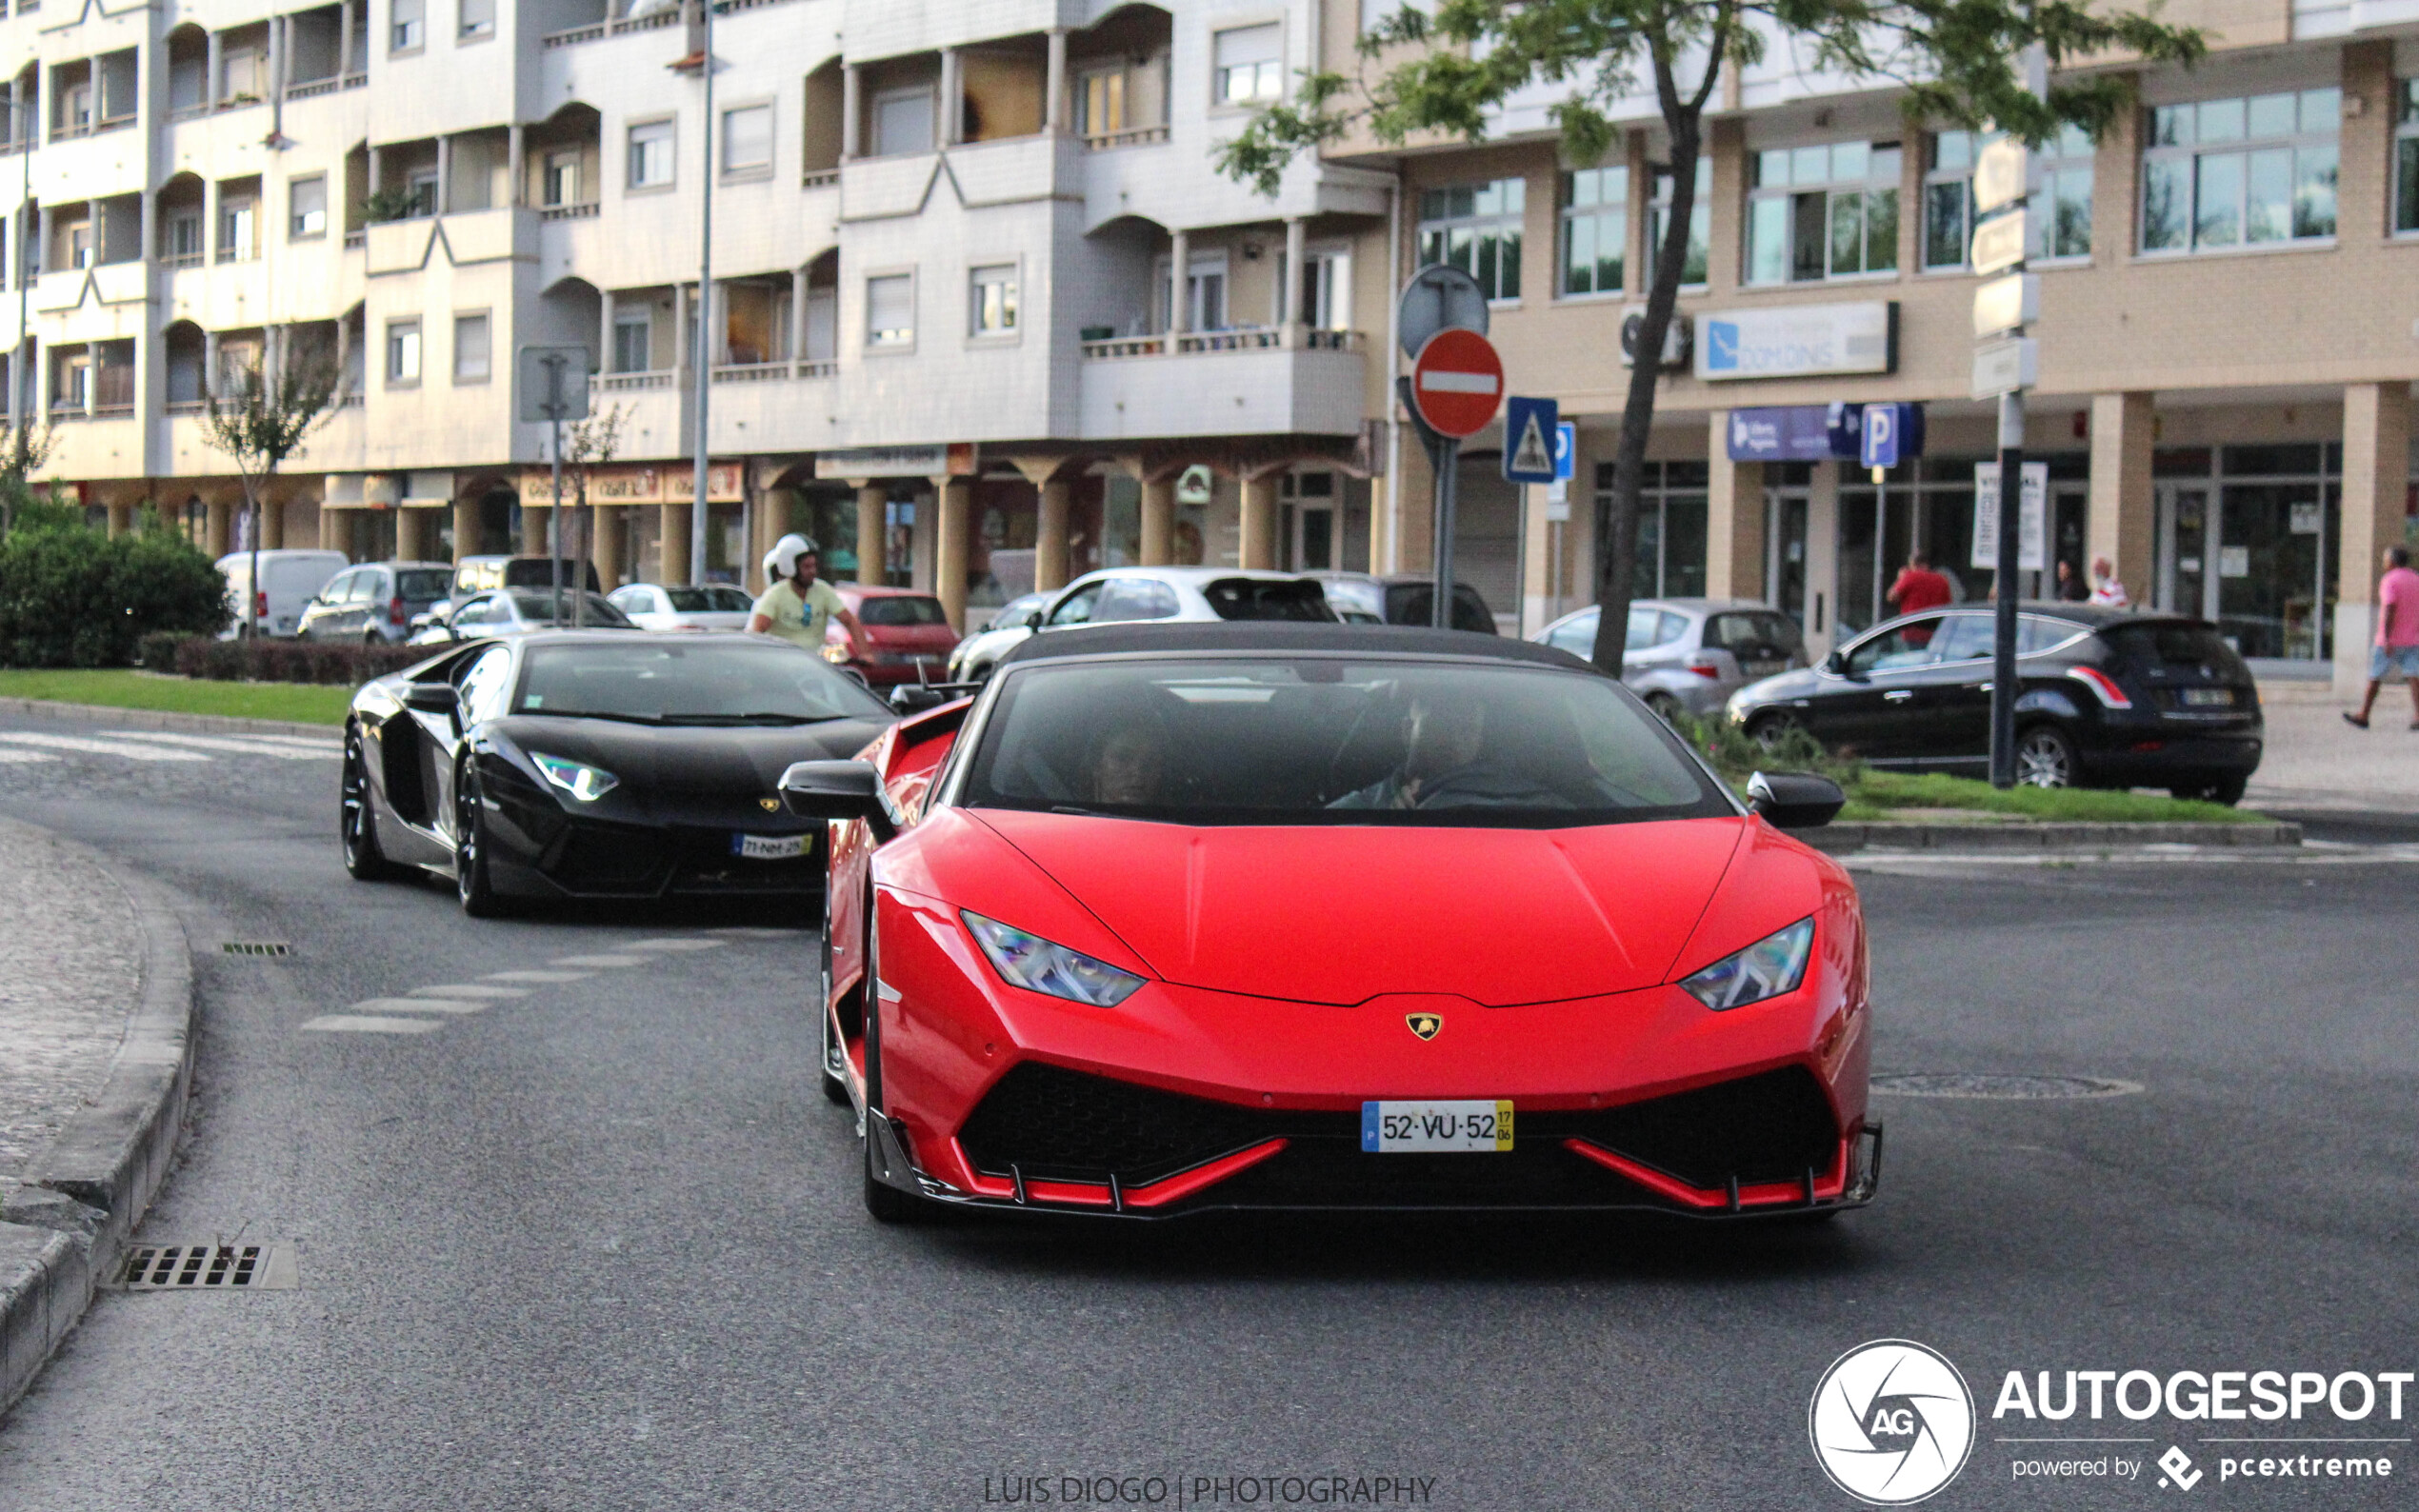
(288, 580)
(1690, 655)
(659, 607)
(1206, 594)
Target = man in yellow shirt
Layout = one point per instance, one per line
(799, 605)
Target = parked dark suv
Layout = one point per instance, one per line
(2109, 698)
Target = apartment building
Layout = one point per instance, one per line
(982, 313)
(2228, 334)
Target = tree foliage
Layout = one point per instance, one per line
(263, 423)
(1447, 72)
(71, 596)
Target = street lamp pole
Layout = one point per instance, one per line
(704, 304)
(20, 397)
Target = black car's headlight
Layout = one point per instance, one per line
(582, 782)
(1772, 966)
(1027, 960)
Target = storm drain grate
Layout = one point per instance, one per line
(256, 948)
(2003, 1088)
(208, 1267)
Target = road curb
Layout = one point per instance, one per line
(86, 1190)
(1850, 839)
(165, 719)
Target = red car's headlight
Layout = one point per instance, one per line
(1772, 966)
(1034, 964)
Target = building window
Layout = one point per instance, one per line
(562, 184)
(1828, 212)
(890, 311)
(650, 155)
(1476, 227)
(403, 352)
(992, 300)
(404, 21)
(478, 18)
(423, 186)
(470, 349)
(237, 230)
(75, 110)
(633, 341)
(2406, 160)
(1700, 221)
(746, 139)
(903, 121)
(76, 245)
(2245, 172)
(307, 201)
(1250, 64)
(1100, 101)
(1949, 198)
(1596, 229)
(1671, 527)
(2061, 206)
(185, 238)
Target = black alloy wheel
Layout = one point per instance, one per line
(1666, 707)
(470, 881)
(886, 1202)
(1770, 730)
(2045, 757)
(372, 638)
(2226, 790)
(357, 826)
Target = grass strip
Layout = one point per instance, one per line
(126, 687)
(1878, 795)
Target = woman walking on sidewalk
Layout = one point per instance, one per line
(2397, 645)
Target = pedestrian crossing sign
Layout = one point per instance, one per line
(1529, 428)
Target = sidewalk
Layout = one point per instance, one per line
(70, 960)
(2316, 761)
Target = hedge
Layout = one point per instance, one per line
(266, 661)
(71, 596)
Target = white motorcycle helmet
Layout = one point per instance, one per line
(781, 563)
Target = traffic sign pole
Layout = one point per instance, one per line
(1453, 391)
(2009, 178)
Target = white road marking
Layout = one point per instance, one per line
(600, 961)
(751, 932)
(104, 747)
(239, 747)
(417, 1005)
(539, 976)
(369, 1024)
(328, 744)
(675, 944)
(469, 989)
(23, 756)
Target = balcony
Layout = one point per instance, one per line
(1139, 136)
(1256, 381)
(625, 382)
(568, 213)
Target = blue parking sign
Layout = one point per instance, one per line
(1530, 430)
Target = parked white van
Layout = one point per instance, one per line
(288, 580)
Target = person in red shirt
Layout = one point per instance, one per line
(1918, 587)
(2396, 648)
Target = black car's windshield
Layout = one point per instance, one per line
(708, 680)
(538, 608)
(423, 584)
(1319, 741)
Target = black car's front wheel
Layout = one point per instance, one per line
(2226, 790)
(471, 876)
(2044, 758)
(357, 827)
(1771, 730)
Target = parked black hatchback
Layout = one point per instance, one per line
(2109, 698)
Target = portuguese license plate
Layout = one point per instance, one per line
(1761, 669)
(2208, 698)
(770, 847)
(1412, 1128)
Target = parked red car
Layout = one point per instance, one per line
(909, 636)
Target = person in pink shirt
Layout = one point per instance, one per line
(2397, 645)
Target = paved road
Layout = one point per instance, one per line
(598, 1246)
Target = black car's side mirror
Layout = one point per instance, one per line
(1836, 663)
(1794, 800)
(1033, 620)
(432, 698)
(840, 789)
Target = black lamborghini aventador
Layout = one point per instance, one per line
(597, 765)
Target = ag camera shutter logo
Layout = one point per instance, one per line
(1891, 1422)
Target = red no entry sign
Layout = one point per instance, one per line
(1457, 383)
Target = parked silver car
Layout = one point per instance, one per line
(375, 603)
(1690, 655)
(1208, 594)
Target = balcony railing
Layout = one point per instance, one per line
(124, 411)
(238, 101)
(1117, 347)
(186, 406)
(351, 399)
(314, 87)
(113, 122)
(819, 178)
(568, 212)
(1248, 338)
(358, 236)
(189, 112)
(69, 131)
(177, 260)
(828, 367)
(1138, 136)
(634, 382)
(749, 373)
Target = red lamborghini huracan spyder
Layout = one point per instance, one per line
(1299, 916)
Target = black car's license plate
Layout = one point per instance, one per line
(2208, 698)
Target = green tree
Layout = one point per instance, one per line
(1445, 73)
(258, 427)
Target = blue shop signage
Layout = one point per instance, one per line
(1819, 432)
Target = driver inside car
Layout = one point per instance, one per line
(1128, 763)
(1445, 764)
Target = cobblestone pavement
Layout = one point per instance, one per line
(69, 964)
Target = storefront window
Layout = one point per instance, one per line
(1596, 229)
(1477, 228)
(2406, 160)
(2246, 537)
(1700, 221)
(2246, 171)
(1818, 213)
(1670, 527)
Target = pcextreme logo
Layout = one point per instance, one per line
(1891, 1422)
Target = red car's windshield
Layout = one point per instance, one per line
(1306, 740)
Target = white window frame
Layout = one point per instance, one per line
(467, 29)
(2405, 161)
(487, 371)
(931, 94)
(1600, 211)
(905, 343)
(1267, 75)
(2185, 119)
(407, 26)
(547, 183)
(641, 319)
(1830, 186)
(2069, 163)
(633, 157)
(1438, 218)
(295, 230)
(737, 172)
(1014, 270)
(410, 331)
